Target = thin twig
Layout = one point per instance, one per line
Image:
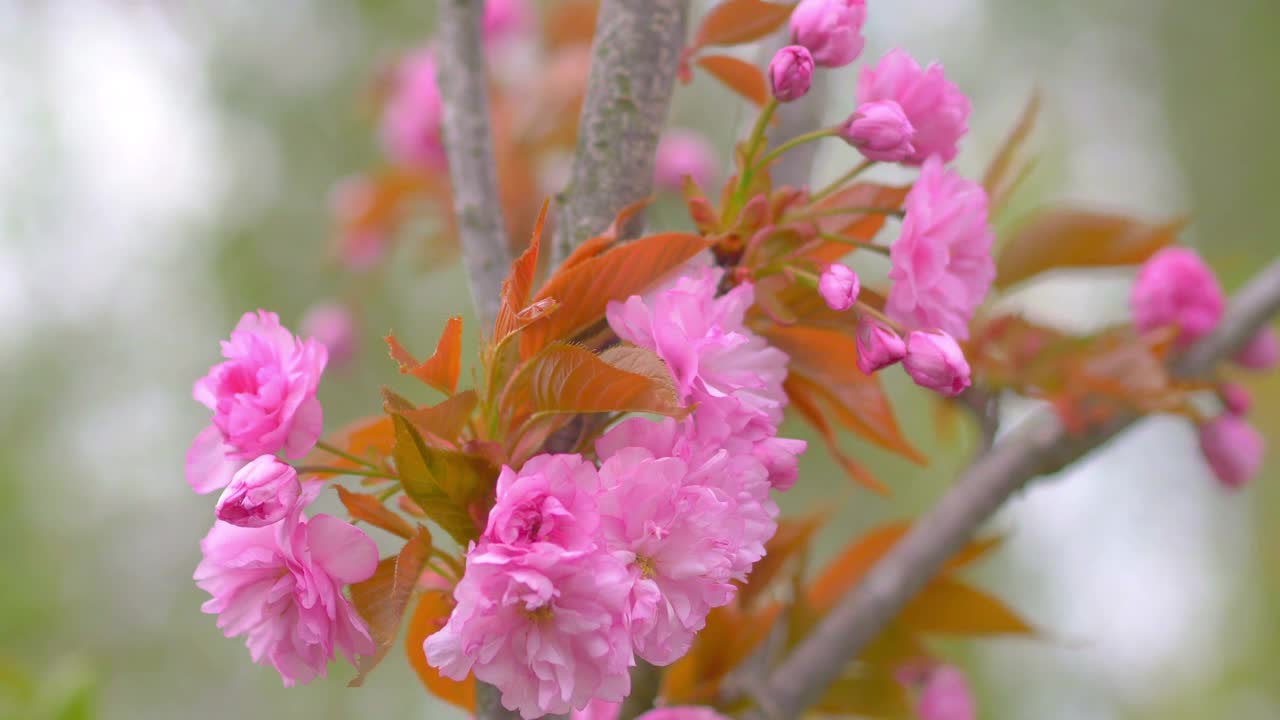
(633, 68)
(468, 138)
(1037, 446)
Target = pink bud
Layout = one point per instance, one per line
(1262, 352)
(791, 73)
(880, 130)
(333, 325)
(261, 493)
(839, 286)
(878, 346)
(1235, 398)
(504, 19)
(938, 111)
(936, 362)
(830, 29)
(946, 696)
(1175, 288)
(1233, 448)
(681, 154)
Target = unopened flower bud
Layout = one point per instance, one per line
(878, 346)
(1262, 352)
(1235, 399)
(880, 130)
(1233, 449)
(946, 695)
(261, 493)
(935, 361)
(682, 154)
(839, 286)
(1175, 288)
(791, 73)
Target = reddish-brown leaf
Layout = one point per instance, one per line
(371, 510)
(585, 289)
(442, 369)
(1067, 238)
(600, 243)
(571, 379)
(947, 606)
(519, 283)
(739, 76)
(730, 635)
(791, 539)
(998, 172)
(430, 615)
(382, 599)
(801, 394)
(734, 22)
(848, 568)
(570, 22)
(371, 438)
(857, 226)
(825, 359)
(445, 419)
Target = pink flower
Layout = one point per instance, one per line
(263, 400)
(682, 713)
(881, 131)
(598, 710)
(362, 242)
(1233, 448)
(791, 73)
(1175, 288)
(878, 346)
(945, 695)
(1262, 352)
(544, 625)
(941, 263)
(281, 587)
(504, 19)
(935, 361)
(937, 109)
(1235, 399)
(830, 29)
(551, 500)
(681, 154)
(672, 537)
(334, 326)
(780, 457)
(839, 286)
(413, 112)
(261, 493)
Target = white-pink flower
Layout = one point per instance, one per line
(263, 400)
(413, 113)
(551, 500)
(281, 587)
(942, 267)
(676, 540)
(546, 626)
(938, 112)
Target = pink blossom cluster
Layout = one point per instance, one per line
(274, 574)
(1176, 289)
(583, 568)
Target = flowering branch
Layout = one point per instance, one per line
(1038, 446)
(472, 170)
(633, 67)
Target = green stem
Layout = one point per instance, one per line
(345, 455)
(863, 307)
(325, 469)
(833, 212)
(794, 142)
(854, 243)
(754, 141)
(839, 182)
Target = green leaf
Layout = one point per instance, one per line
(451, 487)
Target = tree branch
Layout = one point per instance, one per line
(473, 175)
(633, 69)
(1039, 445)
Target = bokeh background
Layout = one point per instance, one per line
(166, 165)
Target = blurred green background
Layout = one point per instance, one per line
(166, 165)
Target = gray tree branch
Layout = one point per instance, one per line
(1039, 445)
(633, 68)
(468, 139)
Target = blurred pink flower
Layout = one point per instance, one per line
(839, 286)
(1233, 449)
(281, 587)
(676, 539)
(881, 131)
(1262, 352)
(505, 19)
(682, 713)
(598, 710)
(1235, 398)
(261, 493)
(544, 625)
(878, 346)
(942, 267)
(333, 325)
(830, 29)
(680, 154)
(413, 112)
(551, 500)
(945, 695)
(1175, 288)
(937, 109)
(362, 241)
(263, 399)
(936, 362)
(791, 73)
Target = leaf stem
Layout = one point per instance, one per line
(329, 470)
(794, 142)
(840, 182)
(854, 243)
(345, 455)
